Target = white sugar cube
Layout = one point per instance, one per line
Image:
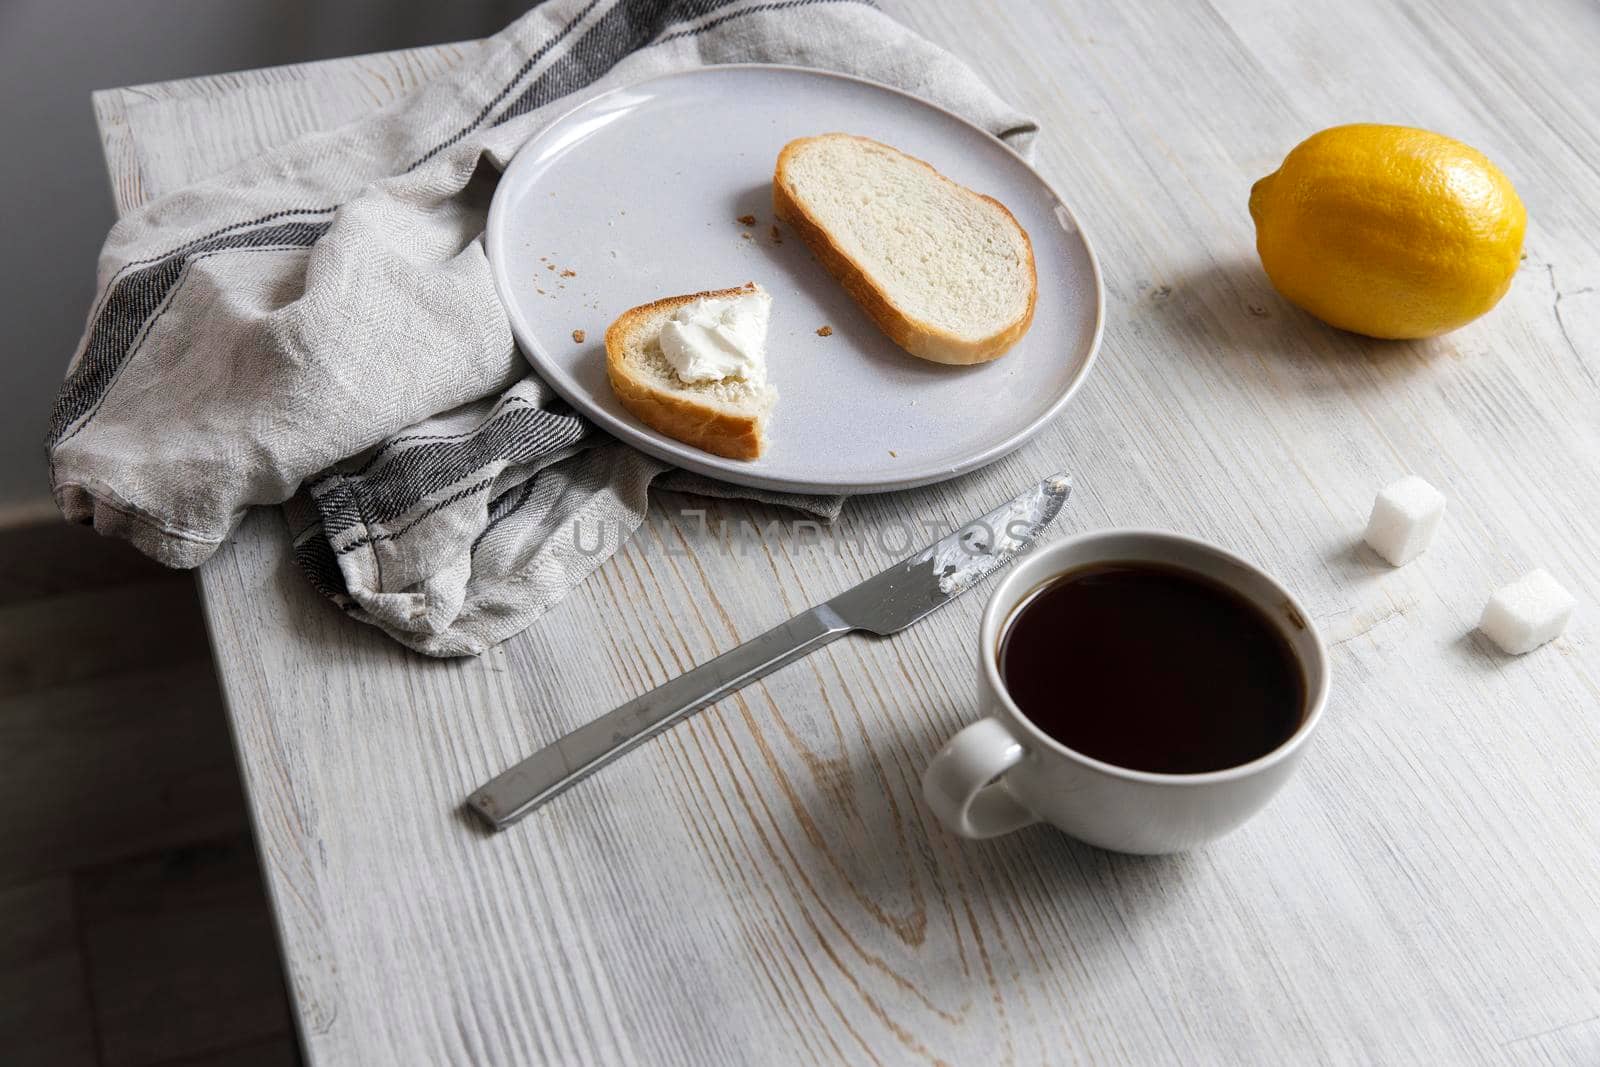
(1525, 614)
(1404, 519)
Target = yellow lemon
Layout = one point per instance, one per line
(1389, 231)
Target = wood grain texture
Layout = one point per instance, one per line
(764, 883)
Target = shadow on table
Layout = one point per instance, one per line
(883, 848)
(1227, 309)
(1474, 651)
(1355, 561)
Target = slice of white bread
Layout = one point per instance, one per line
(726, 418)
(946, 272)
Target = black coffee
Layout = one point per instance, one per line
(1152, 667)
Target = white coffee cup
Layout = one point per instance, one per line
(1002, 772)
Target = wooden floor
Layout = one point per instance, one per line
(133, 925)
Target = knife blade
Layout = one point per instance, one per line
(883, 604)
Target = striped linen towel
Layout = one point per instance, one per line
(318, 328)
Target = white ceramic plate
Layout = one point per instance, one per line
(637, 194)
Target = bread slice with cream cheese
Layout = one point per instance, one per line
(725, 417)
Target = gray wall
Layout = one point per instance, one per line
(54, 197)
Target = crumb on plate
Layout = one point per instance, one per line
(777, 236)
(745, 235)
(569, 274)
(747, 220)
(578, 336)
(824, 331)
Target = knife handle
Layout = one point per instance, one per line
(556, 767)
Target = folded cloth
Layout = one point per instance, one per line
(318, 326)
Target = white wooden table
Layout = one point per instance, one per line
(764, 884)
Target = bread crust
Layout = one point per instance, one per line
(712, 429)
(919, 338)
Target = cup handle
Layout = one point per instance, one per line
(959, 785)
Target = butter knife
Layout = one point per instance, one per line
(881, 605)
